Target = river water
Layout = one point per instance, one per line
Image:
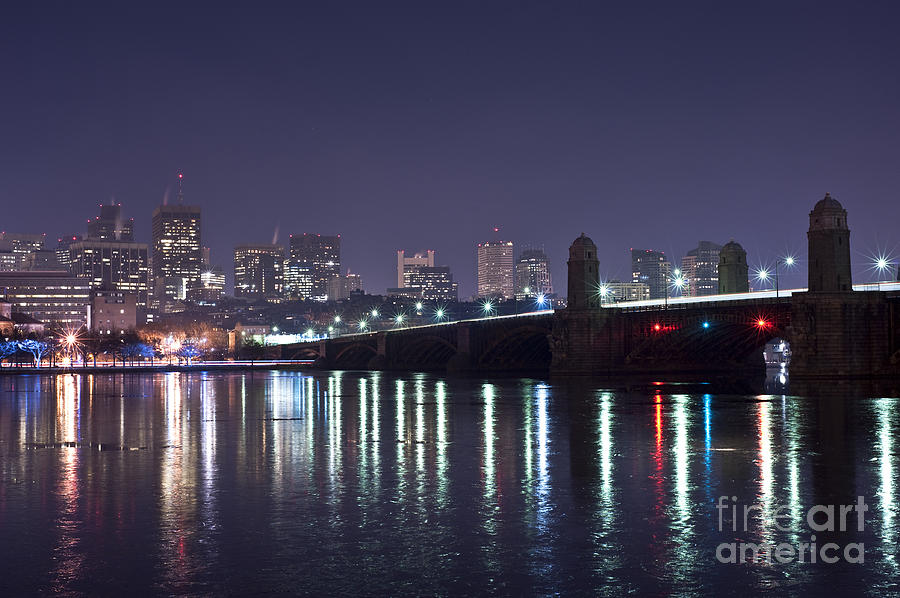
(365, 483)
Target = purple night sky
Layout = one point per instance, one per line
(422, 125)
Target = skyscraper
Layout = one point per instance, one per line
(495, 269)
(259, 271)
(177, 247)
(322, 253)
(532, 274)
(651, 268)
(112, 261)
(700, 267)
(298, 279)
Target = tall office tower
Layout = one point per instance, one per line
(407, 264)
(495, 269)
(298, 279)
(259, 271)
(177, 247)
(532, 274)
(110, 225)
(112, 261)
(20, 245)
(322, 253)
(651, 268)
(733, 269)
(700, 267)
(63, 257)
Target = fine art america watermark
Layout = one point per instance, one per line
(735, 517)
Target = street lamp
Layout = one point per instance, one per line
(762, 275)
(439, 314)
(487, 307)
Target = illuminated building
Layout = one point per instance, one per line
(298, 279)
(700, 268)
(20, 245)
(258, 271)
(617, 291)
(533, 274)
(733, 271)
(341, 286)
(113, 312)
(177, 248)
(651, 268)
(110, 259)
(433, 283)
(8, 261)
(50, 297)
(407, 264)
(829, 247)
(495, 269)
(43, 259)
(211, 288)
(322, 253)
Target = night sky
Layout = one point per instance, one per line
(423, 125)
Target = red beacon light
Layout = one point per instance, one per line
(761, 323)
(657, 327)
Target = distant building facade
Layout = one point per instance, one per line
(407, 264)
(259, 271)
(20, 245)
(212, 286)
(653, 269)
(113, 312)
(533, 274)
(343, 285)
(113, 266)
(430, 283)
(495, 273)
(53, 298)
(700, 268)
(298, 279)
(322, 253)
(110, 225)
(618, 291)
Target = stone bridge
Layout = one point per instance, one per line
(834, 329)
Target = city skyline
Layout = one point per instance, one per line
(575, 121)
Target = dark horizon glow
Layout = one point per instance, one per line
(406, 126)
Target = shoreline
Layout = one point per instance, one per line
(7, 370)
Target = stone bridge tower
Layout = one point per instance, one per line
(834, 331)
(584, 279)
(829, 247)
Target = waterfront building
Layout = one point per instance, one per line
(53, 298)
(113, 312)
(618, 291)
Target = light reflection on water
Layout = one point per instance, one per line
(366, 482)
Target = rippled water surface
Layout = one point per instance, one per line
(352, 483)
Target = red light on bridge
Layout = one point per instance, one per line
(761, 323)
(657, 327)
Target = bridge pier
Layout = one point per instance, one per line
(379, 361)
(840, 334)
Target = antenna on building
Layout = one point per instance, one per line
(180, 188)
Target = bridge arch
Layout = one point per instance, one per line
(523, 347)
